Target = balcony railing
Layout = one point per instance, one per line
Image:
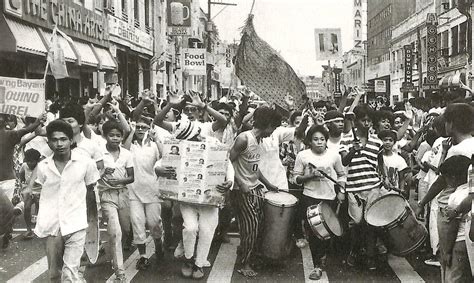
(147, 29)
(124, 15)
(136, 23)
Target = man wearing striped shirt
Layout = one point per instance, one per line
(359, 151)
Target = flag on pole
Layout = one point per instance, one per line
(264, 71)
(55, 58)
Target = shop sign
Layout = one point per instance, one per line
(408, 63)
(380, 86)
(22, 97)
(129, 33)
(431, 50)
(337, 82)
(358, 26)
(72, 18)
(179, 17)
(193, 61)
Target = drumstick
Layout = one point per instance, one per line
(338, 208)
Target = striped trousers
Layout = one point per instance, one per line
(248, 208)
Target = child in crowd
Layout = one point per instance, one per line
(31, 194)
(114, 200)
(317, 188)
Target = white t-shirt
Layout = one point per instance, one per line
(393, 165)
(124, 161)
(328, 162)
(270, 164)
(466, 148)
(455, 199)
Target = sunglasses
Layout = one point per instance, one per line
(140, 127)
(189, 109)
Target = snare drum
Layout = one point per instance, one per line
(403, 233)
(279, 211)
(323, 221)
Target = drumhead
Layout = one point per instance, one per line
(279, 198)
(331, 220)
(385, 210)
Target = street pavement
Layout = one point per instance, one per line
(25, 261)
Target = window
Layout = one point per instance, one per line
(147, 13)
(462, 37)
(454, 40)
(136, 10)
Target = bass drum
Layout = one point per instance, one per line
(279, 212)
(323, 221)
(403, 233)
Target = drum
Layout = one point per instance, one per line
(279, 211)
(323, 221)
(403, 232)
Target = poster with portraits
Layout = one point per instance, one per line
(199, 166)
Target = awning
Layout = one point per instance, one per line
(65, 46)
(86, 54)
(106, 61)
(452, 80)
(16, 36)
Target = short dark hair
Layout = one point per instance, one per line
(461, 115)
(224, 106)
(320, 104)
(111, 125)
(431, 137)
(316, 129)
(294, 115)
(59, 126)
(73, 110)
(456, 166)
(361, 111)
(265, 117)
(383, 114)
(388, 133)
(32, 155)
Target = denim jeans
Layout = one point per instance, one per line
(64, 256)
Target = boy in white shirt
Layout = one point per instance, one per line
(67, 180)
(114, 200)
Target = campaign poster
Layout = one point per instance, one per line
(200, 167)
(22, 97)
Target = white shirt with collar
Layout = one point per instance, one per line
(124, 161)
(63, 195)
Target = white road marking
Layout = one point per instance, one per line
(31, 272)
(403, 269)
(129, 264)
(223, 267)
(308, 266)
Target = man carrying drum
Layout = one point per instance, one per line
(247, 196)
(359, 151)
(317, 188)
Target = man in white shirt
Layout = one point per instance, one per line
(67, 179)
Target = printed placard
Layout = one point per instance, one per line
(22, 97)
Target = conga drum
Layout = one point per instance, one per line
(323, 221)
(403, 233)
(6, 213)
(279, 212)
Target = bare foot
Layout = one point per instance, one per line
(247, 271)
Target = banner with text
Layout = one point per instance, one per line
(193, 61)
(328, 43)
(22, 97)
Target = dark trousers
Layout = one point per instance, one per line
(248, 208)
(297, 191)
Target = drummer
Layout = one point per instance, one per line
(317, 188)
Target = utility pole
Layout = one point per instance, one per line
(209, 30)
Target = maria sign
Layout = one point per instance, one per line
(194, 61)
(22, 97)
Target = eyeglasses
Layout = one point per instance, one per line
(189, 109)
(139, 127)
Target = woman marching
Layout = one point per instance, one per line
(145, 205)
(317, 188)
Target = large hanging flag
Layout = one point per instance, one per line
(264, 71)
(55, 58)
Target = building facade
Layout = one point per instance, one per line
(26, 30)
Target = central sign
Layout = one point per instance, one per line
(193, 61)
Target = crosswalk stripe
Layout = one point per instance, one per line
(223, 267)
(403, 269)
(31, 272)
(129, 266)
(308, 266)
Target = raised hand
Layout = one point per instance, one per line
(196, 100)
(174, 99)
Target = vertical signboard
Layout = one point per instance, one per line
(337, 82)
(359, 13)
(408, 64)
(431, 50)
